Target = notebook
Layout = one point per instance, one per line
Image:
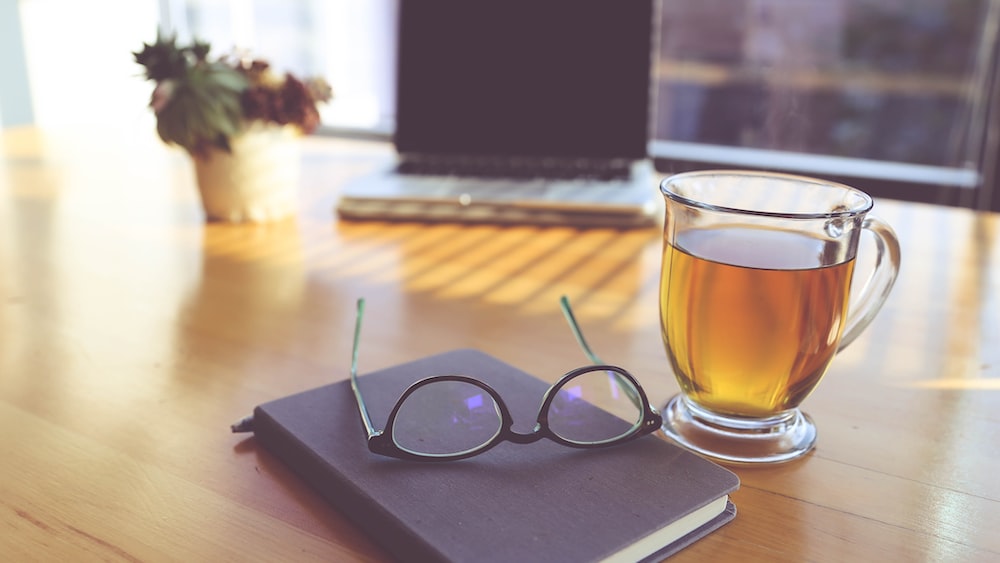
(518, 111)
(642, 500)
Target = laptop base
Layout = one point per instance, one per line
(390, 196)
(485, 213)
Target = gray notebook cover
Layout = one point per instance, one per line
(536, 502)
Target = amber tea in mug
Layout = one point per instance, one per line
(740, 315)
(754, 304)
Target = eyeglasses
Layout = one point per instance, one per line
(451, 417)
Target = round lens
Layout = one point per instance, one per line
(595, 406)
(446, 418)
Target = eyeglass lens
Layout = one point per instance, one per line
(452, 417)
(593, 407)
(445, 418)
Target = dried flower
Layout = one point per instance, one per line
(201, 103)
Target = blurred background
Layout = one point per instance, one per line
(895, 96)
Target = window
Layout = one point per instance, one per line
(77, 61)
(890, 95)
(894, 96)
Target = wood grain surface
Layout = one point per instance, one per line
(132, 334)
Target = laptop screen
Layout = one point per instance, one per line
(537, 78)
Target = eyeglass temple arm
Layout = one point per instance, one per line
(578, 334)
(362, 409)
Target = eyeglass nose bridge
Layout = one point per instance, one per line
(529, 438)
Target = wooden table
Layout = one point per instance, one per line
(132, 334)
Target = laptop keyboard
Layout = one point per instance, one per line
(561, 169)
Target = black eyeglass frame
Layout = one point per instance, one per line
(381, 441)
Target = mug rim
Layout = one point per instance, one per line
(866, 200)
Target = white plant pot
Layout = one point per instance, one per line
(257, 181)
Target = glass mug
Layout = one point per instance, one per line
(755, 294)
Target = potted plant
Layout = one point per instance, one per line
(239, 121)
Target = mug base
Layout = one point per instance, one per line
(776, 439)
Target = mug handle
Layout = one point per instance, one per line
(879, 283)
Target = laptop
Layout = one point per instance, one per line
(518, 111)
